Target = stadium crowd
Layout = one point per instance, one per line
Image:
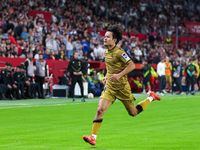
(21, 34)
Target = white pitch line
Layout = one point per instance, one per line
(53, 104)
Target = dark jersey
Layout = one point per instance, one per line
(191, 69)
(75, 65)
(146, 70)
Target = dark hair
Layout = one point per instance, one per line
(117, 32)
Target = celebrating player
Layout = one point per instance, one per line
(118, 65)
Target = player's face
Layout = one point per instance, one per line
(108, 39)
(167, 59)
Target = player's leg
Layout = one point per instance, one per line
(127, 99)
(135, 110)
(102, 107)
(106, 99)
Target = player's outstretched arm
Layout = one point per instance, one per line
(128, 69)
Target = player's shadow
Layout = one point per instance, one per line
(96, 148)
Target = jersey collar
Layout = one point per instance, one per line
(112, 48)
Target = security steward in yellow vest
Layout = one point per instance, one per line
(191, 78)
(75, 68)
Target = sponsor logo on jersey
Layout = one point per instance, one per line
(125, 56)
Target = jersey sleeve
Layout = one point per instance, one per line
(122, 55)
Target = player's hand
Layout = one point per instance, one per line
(9, 86)
(75, 73)
(114, 77)
(104, 80)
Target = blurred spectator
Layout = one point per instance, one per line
(25, 35)
(69, 48)
(72, 19)
(138, 55)
(64, 80)
(85, 45)
(46, 55)
(57, 55)
(98, 52)
(93, 88)
(37, 55)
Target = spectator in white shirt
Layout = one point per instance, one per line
(38, 27)
(69, 48)
(77, 45)
(37, 55)
(138, 55)
(161, 75)
(98, 52)
(49, 42)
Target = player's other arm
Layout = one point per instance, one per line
(104, 79)
(128, 69)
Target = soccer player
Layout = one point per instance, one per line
(168, 69)
(118, 65)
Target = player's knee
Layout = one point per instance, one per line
(133, 114)
(100, 110)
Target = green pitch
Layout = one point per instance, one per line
(59, 124)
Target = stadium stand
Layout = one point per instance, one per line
(152, 29)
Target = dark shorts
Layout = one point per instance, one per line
(146, 80)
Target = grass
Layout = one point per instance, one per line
(59, 124)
